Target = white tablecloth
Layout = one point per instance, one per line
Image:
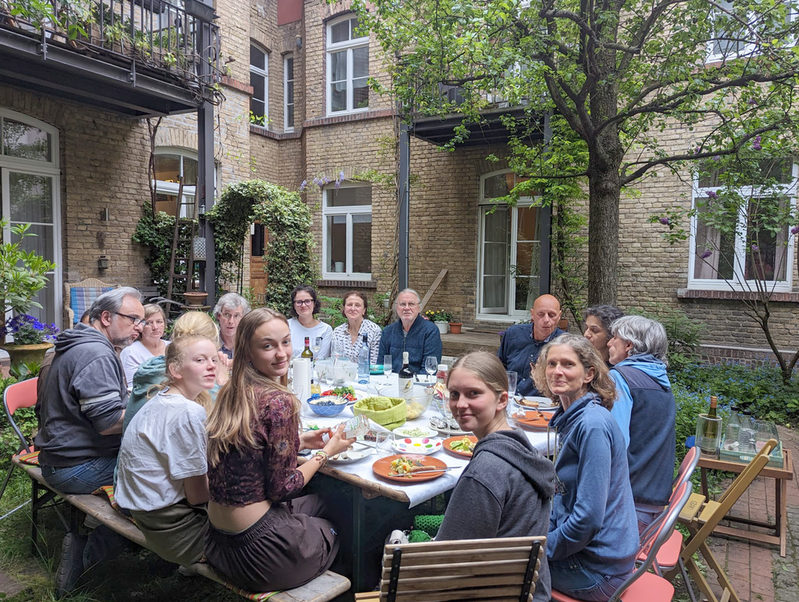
(426, 490)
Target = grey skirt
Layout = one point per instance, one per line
(287, 547)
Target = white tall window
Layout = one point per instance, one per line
(737, 28)
(259, 80)
(754, 251)
(510, 251)
(170, 166)
(288, 92)
(29, 193)
(347, 232)
(347, 67)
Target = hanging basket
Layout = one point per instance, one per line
(26, 354)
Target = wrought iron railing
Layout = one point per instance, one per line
(177, 38)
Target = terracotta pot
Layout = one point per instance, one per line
(26, 354)
(455, 327)
(195, 298)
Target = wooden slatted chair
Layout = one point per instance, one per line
(79, 296)
(701, 519)
(502, 568)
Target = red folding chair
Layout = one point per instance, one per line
(16, 396)
(643, 586)
(687, 466)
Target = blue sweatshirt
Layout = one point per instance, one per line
(517, 349)
(646, 413)
(421, 340)
(593, 516)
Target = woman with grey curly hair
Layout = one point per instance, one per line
(645, 410)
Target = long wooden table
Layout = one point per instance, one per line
(780, 476)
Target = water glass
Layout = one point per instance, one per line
(430, 365)
(387, 365)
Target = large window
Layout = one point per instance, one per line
(736, 236)
(29, 192)
(740, 29)
(509, 276)
(259, 80)
(347, 67)
(170, 166)
(288, 93)
(347, 232)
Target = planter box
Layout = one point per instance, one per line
(443, 327)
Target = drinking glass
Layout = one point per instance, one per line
(513, 379)
(387, 365)
(430, 365)
(316, 346)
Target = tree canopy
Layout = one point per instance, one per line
(620, 74)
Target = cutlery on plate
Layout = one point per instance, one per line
(423, 471)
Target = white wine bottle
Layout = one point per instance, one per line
(405, 378)
(709, 436)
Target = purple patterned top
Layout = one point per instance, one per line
(268, 472)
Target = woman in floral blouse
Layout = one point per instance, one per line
(348, 336)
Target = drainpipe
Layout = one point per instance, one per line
(404, 204)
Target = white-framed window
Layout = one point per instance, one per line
(347, 232)
(288, 92)
(30, 185)
(347, 67)
(755, 251)
(509, 267)
(259, 80)
(735, 29)
(172, 164)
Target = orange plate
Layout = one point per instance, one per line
(533, 421)
(450, 440)
(382, 468)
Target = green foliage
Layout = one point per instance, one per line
(22, 273)
(684, 333)
(438, 315)
(377, 313)
(331, 311)
(289, 246)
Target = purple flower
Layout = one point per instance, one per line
(303, 185)
(712, 194)
(756, 143)
(752, 101)
(341, 175)
(337, 185)
(706, 254)
(795, 230)
(755, 248)
(716, 158)
(664, 220)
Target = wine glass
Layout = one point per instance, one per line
(316, 345)
(387, 365)
(513, 379)
(430, 364)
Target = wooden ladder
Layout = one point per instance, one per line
(177, 243)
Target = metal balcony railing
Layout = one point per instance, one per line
(176, 39)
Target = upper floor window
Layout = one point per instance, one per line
(288, 92)
(347, 67)
(259, 80)
(740, 236)
(738, 28)
(347, 232)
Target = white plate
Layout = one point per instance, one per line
(417, 445)
(544, 403)
(409, 431)
(445, 430)
(350, 456)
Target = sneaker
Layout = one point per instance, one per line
(103, 544)
(70, 568)
(397, 537)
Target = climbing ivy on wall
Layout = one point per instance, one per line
(155, 231)
(289, 246)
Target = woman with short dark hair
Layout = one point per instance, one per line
(304, 306)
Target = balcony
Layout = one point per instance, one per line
(138, 58)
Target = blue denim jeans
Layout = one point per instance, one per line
(570, 577)
(81, 478)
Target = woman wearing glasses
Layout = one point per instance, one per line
(149, 345)
(304, 307)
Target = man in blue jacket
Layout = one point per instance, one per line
(522, 343)
(411, 333)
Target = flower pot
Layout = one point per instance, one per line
(443, 327)
(455, 327)
(26, 354)
(195, 299)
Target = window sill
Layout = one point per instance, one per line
(728, 295)
(345, 117)
(347, 283)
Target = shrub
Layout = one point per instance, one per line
(684, 333)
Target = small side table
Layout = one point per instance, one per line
(780, 476)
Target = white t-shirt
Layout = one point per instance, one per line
(299, 332)
(133, 356)
(164, 444)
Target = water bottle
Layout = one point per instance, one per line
(732, 432)
(363, 361)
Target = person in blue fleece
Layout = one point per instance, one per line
(592, 540)
(645, 410)
(411, 333)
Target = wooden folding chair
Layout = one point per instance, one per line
(702, 519)
(502, 568)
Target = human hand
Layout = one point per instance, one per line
(337, 442)
(223, 367)
(314, 439)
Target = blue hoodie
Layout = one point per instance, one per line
(646, 412)
(593, 516)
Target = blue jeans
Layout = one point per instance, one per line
(570, 577)
(81, 478)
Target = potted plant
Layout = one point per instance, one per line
(455, 326)
(22, 275)
(440, 318)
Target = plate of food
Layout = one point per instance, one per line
(409, 468)
(533, 420)
(445, 427)
(348, 394)
(545, 404)
(462, 445)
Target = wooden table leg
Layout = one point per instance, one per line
(782, 512)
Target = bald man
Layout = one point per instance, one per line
(522, 343)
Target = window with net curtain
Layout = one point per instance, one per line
(347, 231)
(755, 250)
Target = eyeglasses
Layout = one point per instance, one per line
(136, 321)
(303, 301)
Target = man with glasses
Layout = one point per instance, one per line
(411, 333)
(228, 312)
(81, 411)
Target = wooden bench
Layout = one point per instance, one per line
(325, 587)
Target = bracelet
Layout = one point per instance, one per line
(323, 455)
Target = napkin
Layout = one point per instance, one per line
(301, 382)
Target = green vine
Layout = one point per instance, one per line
(288, 251)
